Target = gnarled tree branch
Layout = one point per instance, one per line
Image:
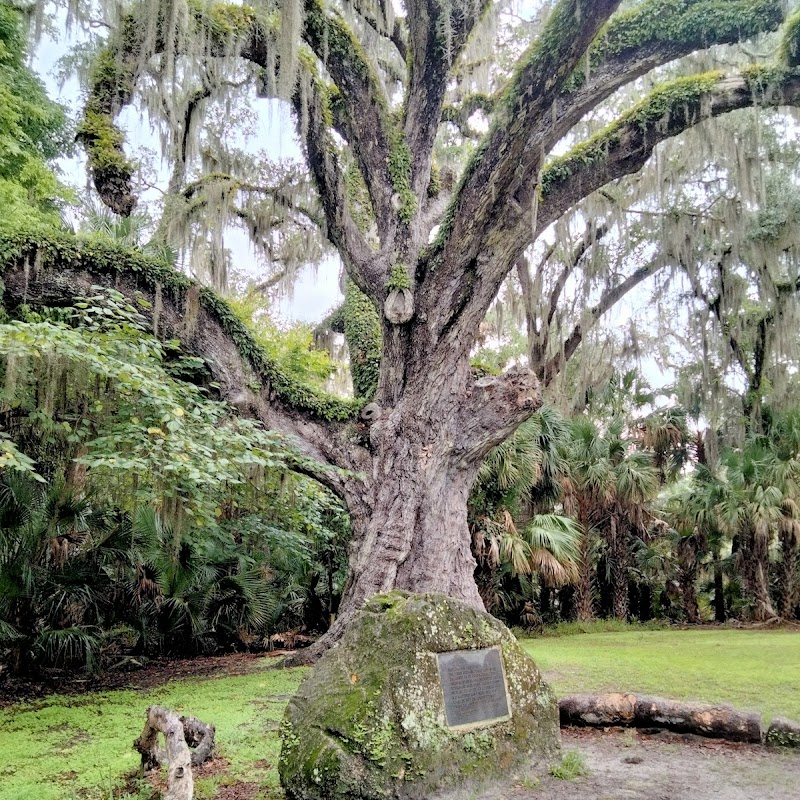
(626, 145)
(499, 198)
(438, 33)
(117, 72)
(361, 101)
(501, 165)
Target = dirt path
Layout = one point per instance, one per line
(631, 765)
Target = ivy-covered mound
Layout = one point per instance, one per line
(369, 721)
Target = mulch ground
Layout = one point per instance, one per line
(151, 675)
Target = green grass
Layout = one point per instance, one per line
(80, 748)
(751, 670)
(571, 766)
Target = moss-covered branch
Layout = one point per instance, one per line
(111, 85)
(790, 44)
(251, 34)
(116, 71)
(361, 100)
(497, 168)
(438, 33)
(668, 29)
(651, 34)
(498, 198)
(312, 105)
(60, 254)
(624, 146)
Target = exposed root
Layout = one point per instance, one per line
(180, 734)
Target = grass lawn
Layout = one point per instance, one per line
(79, 748)
(751, 670)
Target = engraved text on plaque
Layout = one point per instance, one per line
(474, 687)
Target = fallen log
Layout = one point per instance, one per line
(180, 733)
(641, 711)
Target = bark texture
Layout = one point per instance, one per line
(788, 574)
(618, 554)
(753, 558)
(687, 577)
(584, 601)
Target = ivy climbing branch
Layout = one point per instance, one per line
(361, 104)
(438, 33)
(312, 104)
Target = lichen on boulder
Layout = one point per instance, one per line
(369, 722)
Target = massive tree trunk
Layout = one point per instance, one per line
(409, 516)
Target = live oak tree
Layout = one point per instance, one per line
(370, 92)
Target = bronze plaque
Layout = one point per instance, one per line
(474, 686)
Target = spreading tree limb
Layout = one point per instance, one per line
(502, 199)
(361, 100)
(438, 33)
(548, 370)
(52, 270)
(243, 31)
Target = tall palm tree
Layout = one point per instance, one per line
(545, 546)
(693, 510)
(752, 510)
(610, 486)
(665, 434)
(636, 485)
(789, 534)
(786, 442)
(587, 487)
(517, 480)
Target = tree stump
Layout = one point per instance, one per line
(180, 734)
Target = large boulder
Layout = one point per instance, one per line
(370, 722)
